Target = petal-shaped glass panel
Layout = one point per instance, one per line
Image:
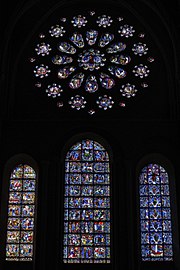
(77, 39)
(64, 73)
(61, 59)
(106, 81)
(118, 72)
(91, 85)
(105, 39)
(76, 81)
(120, 59)
(116, 47)
(91, 37)
(66, 48)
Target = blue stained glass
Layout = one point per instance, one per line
(164, 190)
(101, 240)
(75, 167)
(144, 213)
(21, 214)
(15, 197)
(167, 238)
(145, 238)
(101, 215)
(101, 178)
(101, 202)
(73, 239)
(168, 250)
(87, 227)
(87, 144)
(87, 167)
(165, 201)
(156, 225)
(101, 227)
(144, 225)
(166, 212)
(66, 227)
(27, 223)
(143, 190)
(154, 201)
(87, 252)
(153, 179)
(74, 227)
(87, 204)
(74, 252)
(74, 178)
(144, 202)
(145, 250)
(100, 167)
(74, 190)
(101, 191)
(15, 185)
(164, 178)
(156, 238)
(66, 203)
(87, 178)
(155, 214)
(154, 190)
(143, 178)
(166, 225)
(74, 214)
(87, 239)
(74, 155)
(74, 202)
(66, 214)
(87, 191)
(100, 156)
(87, 214)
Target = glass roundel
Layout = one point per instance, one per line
(155, 214)
(92, 55)
(21, 214)
(87, 204)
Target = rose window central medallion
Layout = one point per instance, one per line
(92, 53)
(91, 59)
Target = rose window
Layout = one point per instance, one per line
(92, 62)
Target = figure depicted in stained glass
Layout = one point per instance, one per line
(155, 214)
(21, 213)
(87, 204)
(93, 58)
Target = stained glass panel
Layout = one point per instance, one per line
(21, 212)
(87, 204)
(155, 214)
(100, 44)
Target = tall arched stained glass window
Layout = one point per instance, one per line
(21, 214)
(87, 204)
(155, 214)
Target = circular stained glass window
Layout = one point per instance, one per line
(92, 62)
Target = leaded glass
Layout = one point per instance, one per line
(21, 213)
(87, 204)
(155, 214)
(97, 52)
